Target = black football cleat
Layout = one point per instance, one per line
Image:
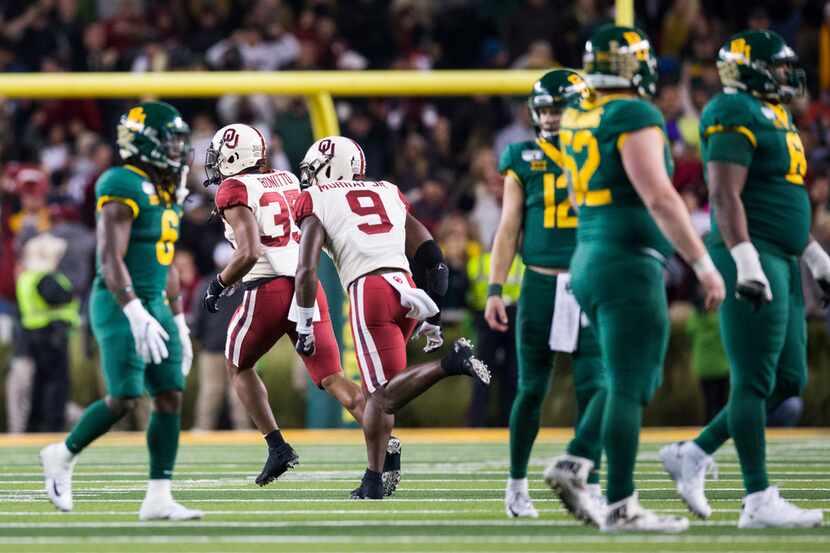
(391, 467)
(371, 487)
(462, 360)
(280, 459)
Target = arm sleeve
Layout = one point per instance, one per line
(52, 292)
(115, 186)
(232, 192)
(304, 207)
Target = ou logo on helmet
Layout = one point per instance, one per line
(230, 138)
(326, 147)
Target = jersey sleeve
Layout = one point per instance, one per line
(406, 205)
(232, 192)
(726, 130)
(634, 115)
(116, 185)
(304, 207)
(506, 164)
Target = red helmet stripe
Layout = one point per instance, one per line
(262, 140)
(362, 158)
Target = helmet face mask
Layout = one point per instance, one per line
(620, 58)
(761, 63)
(555, 90)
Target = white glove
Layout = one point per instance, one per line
(149, 335)
(187, 345)
(433, 334)
(752, 284)
(182, 191)
(818, 262)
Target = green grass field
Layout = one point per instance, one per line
(450, 499)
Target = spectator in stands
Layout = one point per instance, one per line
(48, 311)
(210, 331)
(495, 348)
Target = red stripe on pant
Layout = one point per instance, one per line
(240, 322)
(360, 340)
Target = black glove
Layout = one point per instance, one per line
(824, 284)
(752, 291)
(305, 343)
(213, 293)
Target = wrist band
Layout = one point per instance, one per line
(703, 265)
(220, 281)
(305, 319)
(494, 289)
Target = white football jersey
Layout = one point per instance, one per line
(271, 198)
(365, 222)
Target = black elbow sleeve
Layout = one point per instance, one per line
(430, 271)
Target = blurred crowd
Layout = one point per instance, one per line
(442, 153)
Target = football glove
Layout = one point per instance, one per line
(187, 345)
(752, 285)
(214, 291)
(818, 262)
(305, 331)
(432, 332)
(149, 336)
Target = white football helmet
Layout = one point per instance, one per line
(233, 149)
(331, 159)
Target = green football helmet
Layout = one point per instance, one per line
(750, 61)
(556, 89)
(620, 57)
(154, 136)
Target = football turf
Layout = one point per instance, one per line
(450, 498)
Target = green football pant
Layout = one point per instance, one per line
(535, 362)
(125, 373)
(767, 352)
(623, 294)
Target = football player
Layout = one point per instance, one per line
(256, 205)
(366, 228)
(755, 167)
(537, 208)
(135, 305)
(618, 162)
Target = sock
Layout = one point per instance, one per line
(274, 439)
(517, 485)
(587, 441)
(715, 434)
(371, 476)
(620, 438)
(747, 419)
(163, 443)
(524, 426)
(96, 421)
(160, 488)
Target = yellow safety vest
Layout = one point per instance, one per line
(34, 311)
(478, 271)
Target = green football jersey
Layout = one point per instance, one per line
(610, 210)
(154, 232)
(740, 128)
(549, 222)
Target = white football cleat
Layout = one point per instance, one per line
(567, 476)
(767, 509)
(160, 508)
(57, 462)
(517, 504)
(627, 515)
(687, 464)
